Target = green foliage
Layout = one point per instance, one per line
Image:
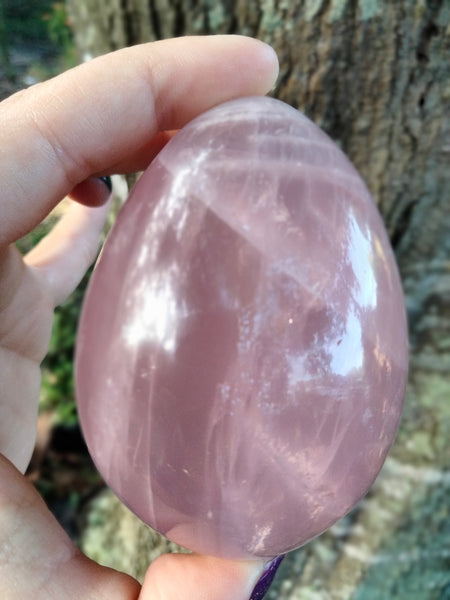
(39, 24)
(24, 20)
(57, 390)
(58, 26)
(44, 23)
(4, 50)
(31, 240)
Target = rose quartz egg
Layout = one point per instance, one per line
(242, 352)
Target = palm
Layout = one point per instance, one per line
(26, 314)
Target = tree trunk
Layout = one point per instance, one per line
(375, 75)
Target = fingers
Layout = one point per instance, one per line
(38, 560)
(93, 191)
(64, 255)
(106, 113)
(141, 158)
(195, 577)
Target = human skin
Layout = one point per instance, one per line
(106, 116)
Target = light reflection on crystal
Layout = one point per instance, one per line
(360, 251)
(347, 355)
(157, 314)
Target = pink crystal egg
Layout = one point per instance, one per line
(242, 351)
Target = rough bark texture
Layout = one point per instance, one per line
(375, 75)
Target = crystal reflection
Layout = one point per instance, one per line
(153, 304)
(336, 333)
(347, 356)
(361, 256)
(155, 311)
(339, 351)
(345, 345)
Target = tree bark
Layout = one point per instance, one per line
(375, 75)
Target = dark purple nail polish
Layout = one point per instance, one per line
(107, 181)
(266, 579)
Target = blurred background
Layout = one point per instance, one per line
(376, 76)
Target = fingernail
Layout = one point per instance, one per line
(107, 181)
(93, 191)
(265, 581)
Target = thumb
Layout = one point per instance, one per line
(64, 255)
(196, 577)
(38, 560)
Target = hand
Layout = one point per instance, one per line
(106, 116)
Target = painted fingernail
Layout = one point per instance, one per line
(107, 181)
(266, 579)
(93, 191)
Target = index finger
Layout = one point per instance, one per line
(94, 117)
